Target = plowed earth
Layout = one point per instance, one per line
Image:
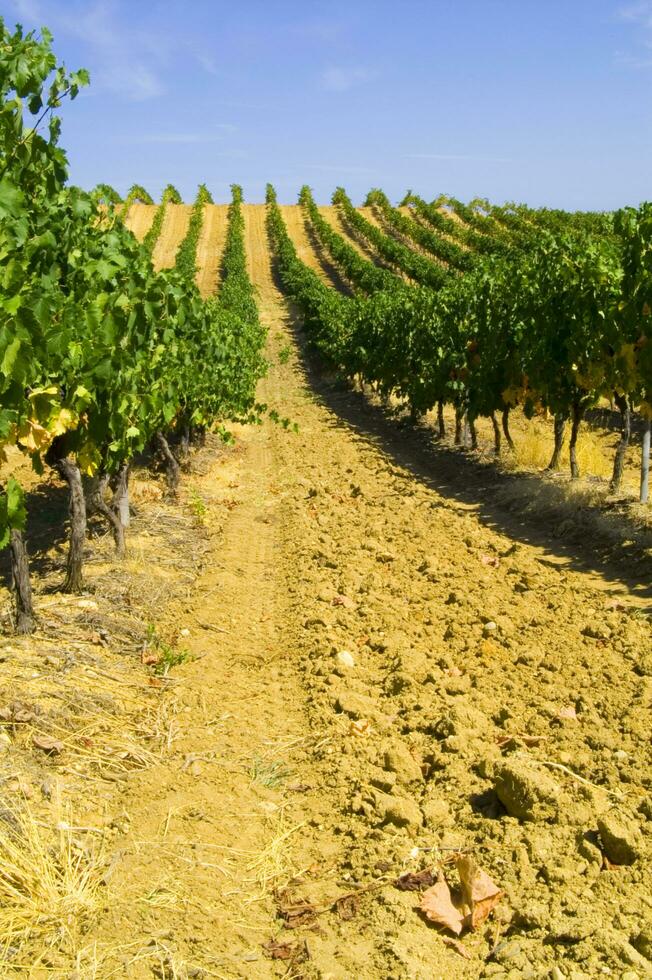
(386, 673)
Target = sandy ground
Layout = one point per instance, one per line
(385, 668)
(140, 218)
(173, 231)
(210, 247)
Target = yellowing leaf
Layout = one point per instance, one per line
(62, 422)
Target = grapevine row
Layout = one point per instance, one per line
(415, 266)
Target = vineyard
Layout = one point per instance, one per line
(326, 628)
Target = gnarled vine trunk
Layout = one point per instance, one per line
(497, 434)
(473, 433)
(645, 463)
(70, 472)
(578, 414)
(559, 430)
(441, 425)
(100, 505)
(172, 469)
(459, 418)
(120, 501)
(21, 584)
(506, 432)
(625, 436)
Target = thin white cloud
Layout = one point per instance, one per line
(336, 168)
(124, 62)
(200, 136)
(339, 78)
(640, 15)
(457, 156)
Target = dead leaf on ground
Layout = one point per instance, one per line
(415, 881)
(19, 713)
(47, 744)
(296, 914)
(347, 907)
(149, 658)
(481, 893)
(297, 952)
(437, 903)
(458, 946)
(361, 727)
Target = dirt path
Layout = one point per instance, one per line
(210, 247)
(173, 230)
(140, 218)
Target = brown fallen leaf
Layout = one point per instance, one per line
(297, 952)
(149, 657)
(347, 907)
(19, 713)
(47, 744)
(458, 946)
(415, 881)
(437, 903)
(481, 894)
(301, 913)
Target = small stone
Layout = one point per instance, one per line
(490, 627)
(345, 658)
(621, 838)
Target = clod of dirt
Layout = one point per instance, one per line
(397, 759)
(463, 720)
(437, 814)
(621, 838)
(526, 793)
(398, 810)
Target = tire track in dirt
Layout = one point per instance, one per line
(210, 247)
(139, 219)
(173, 230)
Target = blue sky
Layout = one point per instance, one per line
(541, 101)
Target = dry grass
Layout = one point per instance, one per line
(51, 885)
